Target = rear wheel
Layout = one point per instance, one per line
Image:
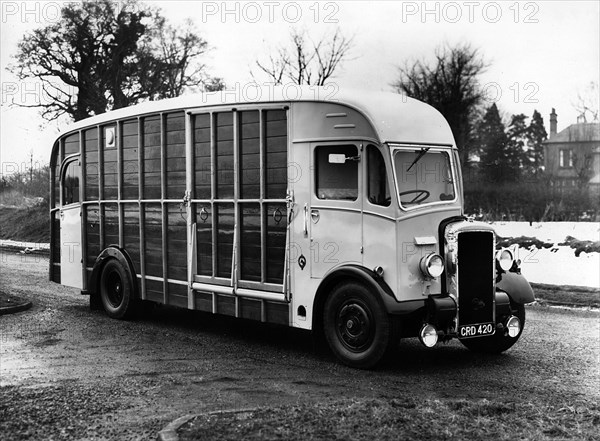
(117, 290)
(500, 341)
(356, 326)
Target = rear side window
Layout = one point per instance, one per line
(337, 172)
(70, 183)
(378, 190)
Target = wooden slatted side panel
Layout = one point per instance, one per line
(110, 170)
(204, 239)
(202, 157)
(276, 154)
(260, 137)
(151, 175)
(154, 290)
(249, 154)
(178, 295)
(91, 164)
(176, 243)
(92, 232)
(224, 155)
(175, 155)
(91, 212)
(276, 229)
(56, 180)
(225, 221)
(131, 233)
(55, 233)
(250, 242)
(71, 145)
(110, 220)
(130, 167)
(153, 241)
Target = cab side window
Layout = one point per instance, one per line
(71, 183)
(378, 190)
(337, 172)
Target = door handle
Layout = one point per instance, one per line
(62, 215)
(306, 219)
(315, 216)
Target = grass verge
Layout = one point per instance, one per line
(567, 295)
(403, 419)
(30, 224)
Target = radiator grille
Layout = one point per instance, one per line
(475, 277)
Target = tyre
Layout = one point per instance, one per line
(499, 342)
(117, 291)
(356, 326)
(95, 302)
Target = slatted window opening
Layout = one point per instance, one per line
(240, 179)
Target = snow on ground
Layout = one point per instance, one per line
(31, 246)
(557, 265)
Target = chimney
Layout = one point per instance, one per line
(553, 122)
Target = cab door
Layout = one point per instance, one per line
(71, 270)
(335, 211)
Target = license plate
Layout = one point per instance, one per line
(476, 330)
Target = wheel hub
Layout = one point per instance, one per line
(354, 326)
(114, 288)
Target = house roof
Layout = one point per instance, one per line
(581, 132)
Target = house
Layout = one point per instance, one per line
(572, 156)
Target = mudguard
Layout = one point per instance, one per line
(517, 287)
(112, 252)
(373, 282)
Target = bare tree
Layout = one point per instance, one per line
(587, 103)
(451, 85)
(169, 61)
(104, 55)
(582, 163)
(306, 62)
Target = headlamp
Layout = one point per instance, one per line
(505, 259)
(432, 265)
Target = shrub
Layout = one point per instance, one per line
(528, 201)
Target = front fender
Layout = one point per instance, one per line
(375, 283)
(517, 287)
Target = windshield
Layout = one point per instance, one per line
(424, 176)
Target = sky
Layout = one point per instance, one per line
(541, 54)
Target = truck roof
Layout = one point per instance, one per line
(394, 117)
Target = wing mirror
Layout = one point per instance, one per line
(340, 158)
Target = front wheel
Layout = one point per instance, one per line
(500, 341)
(356, 326)
(117, 290)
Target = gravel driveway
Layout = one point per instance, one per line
(68, 373)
